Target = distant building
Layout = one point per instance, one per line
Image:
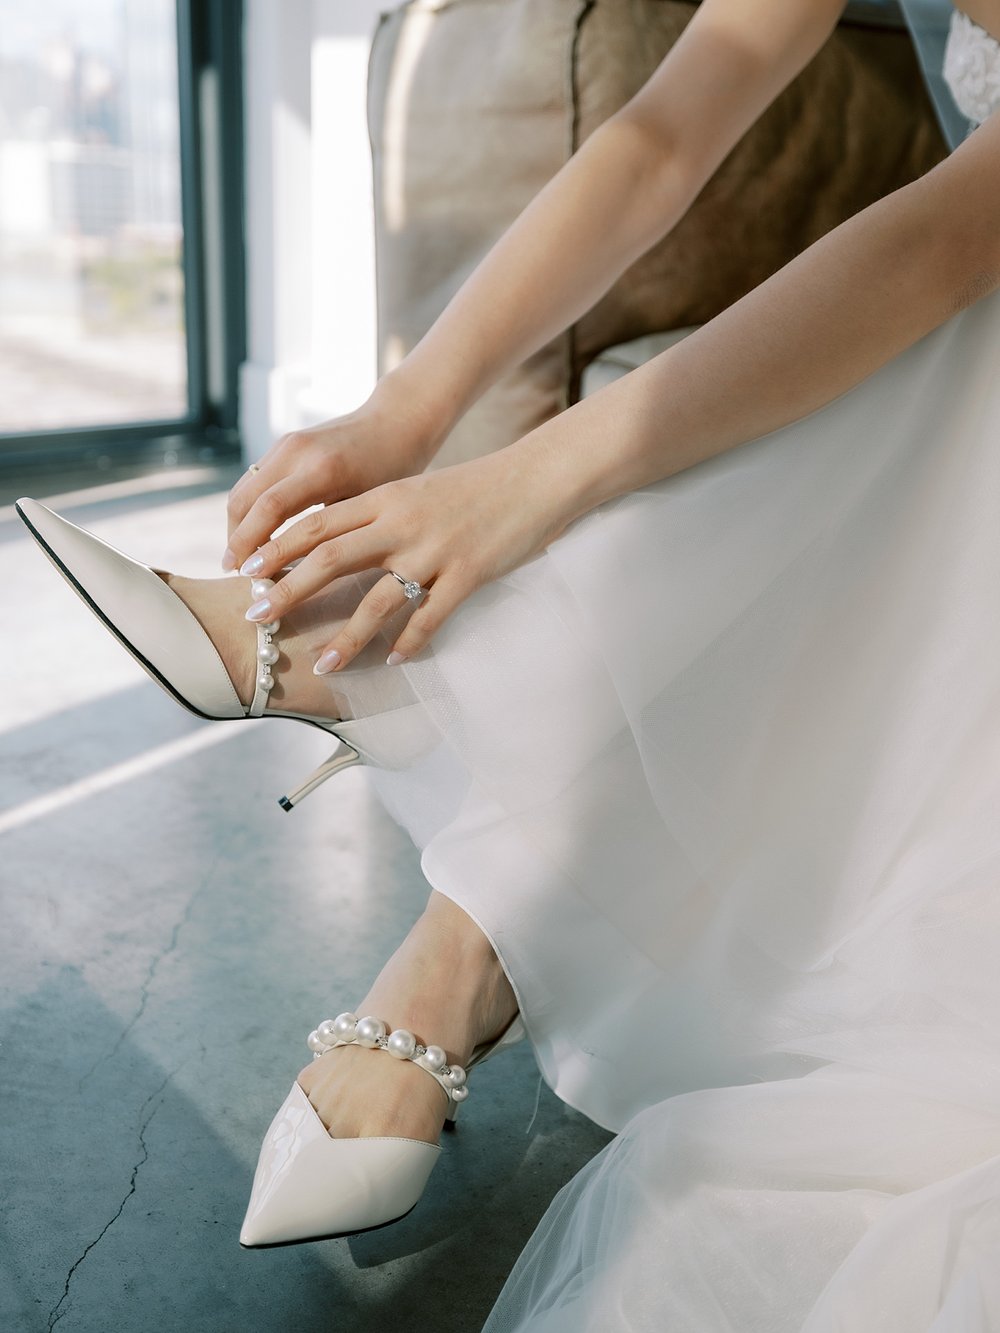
(92, 191)
(89, 140)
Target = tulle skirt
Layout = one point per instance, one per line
(718, 773)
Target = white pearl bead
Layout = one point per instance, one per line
(260, 588)
(370, 1031)
(316, 1043)
(402, 1044)
(434, 1058)
(345, 1026)
(268, 654)
(455, 1076)
(271, 627)
(459, 1094)
(265, 680)
(327, 1031)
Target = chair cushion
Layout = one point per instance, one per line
(614, 362)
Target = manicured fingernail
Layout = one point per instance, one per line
(395, 658)
(327, 662)
(228, 560)
(253, 564)
(260, 610)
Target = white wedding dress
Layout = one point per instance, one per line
(719, 775)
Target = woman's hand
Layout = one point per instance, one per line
(451, 531)
(392, 435)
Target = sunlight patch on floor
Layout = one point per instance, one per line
(127, 771)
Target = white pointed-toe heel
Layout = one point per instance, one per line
(165, 638)
(309, 1186)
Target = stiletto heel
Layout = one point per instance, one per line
(343, 757)
(309, 1186)
(148, 618)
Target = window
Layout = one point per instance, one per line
(118, 178)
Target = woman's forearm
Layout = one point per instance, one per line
(610, 202)
(629, 183)
(819, 326)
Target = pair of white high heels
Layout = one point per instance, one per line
(307, 1186)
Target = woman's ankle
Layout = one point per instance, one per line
(219, 605)
(212, 602)
(365, 688)
(444, 984)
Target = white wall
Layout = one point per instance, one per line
(310, 250)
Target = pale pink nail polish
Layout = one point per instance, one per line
(395, 658)
(327, 662)
(253, 564)
(260, 610)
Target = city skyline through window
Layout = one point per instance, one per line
(91, 242)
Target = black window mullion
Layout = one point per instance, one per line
(225, 24)
(193, 251)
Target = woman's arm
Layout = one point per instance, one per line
(822, 324)
(628, 185)
(625, 188)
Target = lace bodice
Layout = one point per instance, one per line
(972, 68)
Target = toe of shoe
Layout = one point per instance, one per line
(309, 1185)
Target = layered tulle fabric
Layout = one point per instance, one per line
(719, 775)
(838, 1202)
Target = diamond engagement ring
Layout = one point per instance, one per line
(409, 587)
(254, 467)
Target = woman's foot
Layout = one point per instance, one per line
(445, 985)
(220, 607)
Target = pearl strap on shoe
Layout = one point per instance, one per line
(267, 653)
(347, 1029)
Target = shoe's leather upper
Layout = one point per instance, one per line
(308, 1184)
(139, 606)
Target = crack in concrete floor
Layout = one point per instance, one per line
(57, 1312)
(147, 982)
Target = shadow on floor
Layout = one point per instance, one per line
(123, 1202)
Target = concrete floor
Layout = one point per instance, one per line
(169, 937)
